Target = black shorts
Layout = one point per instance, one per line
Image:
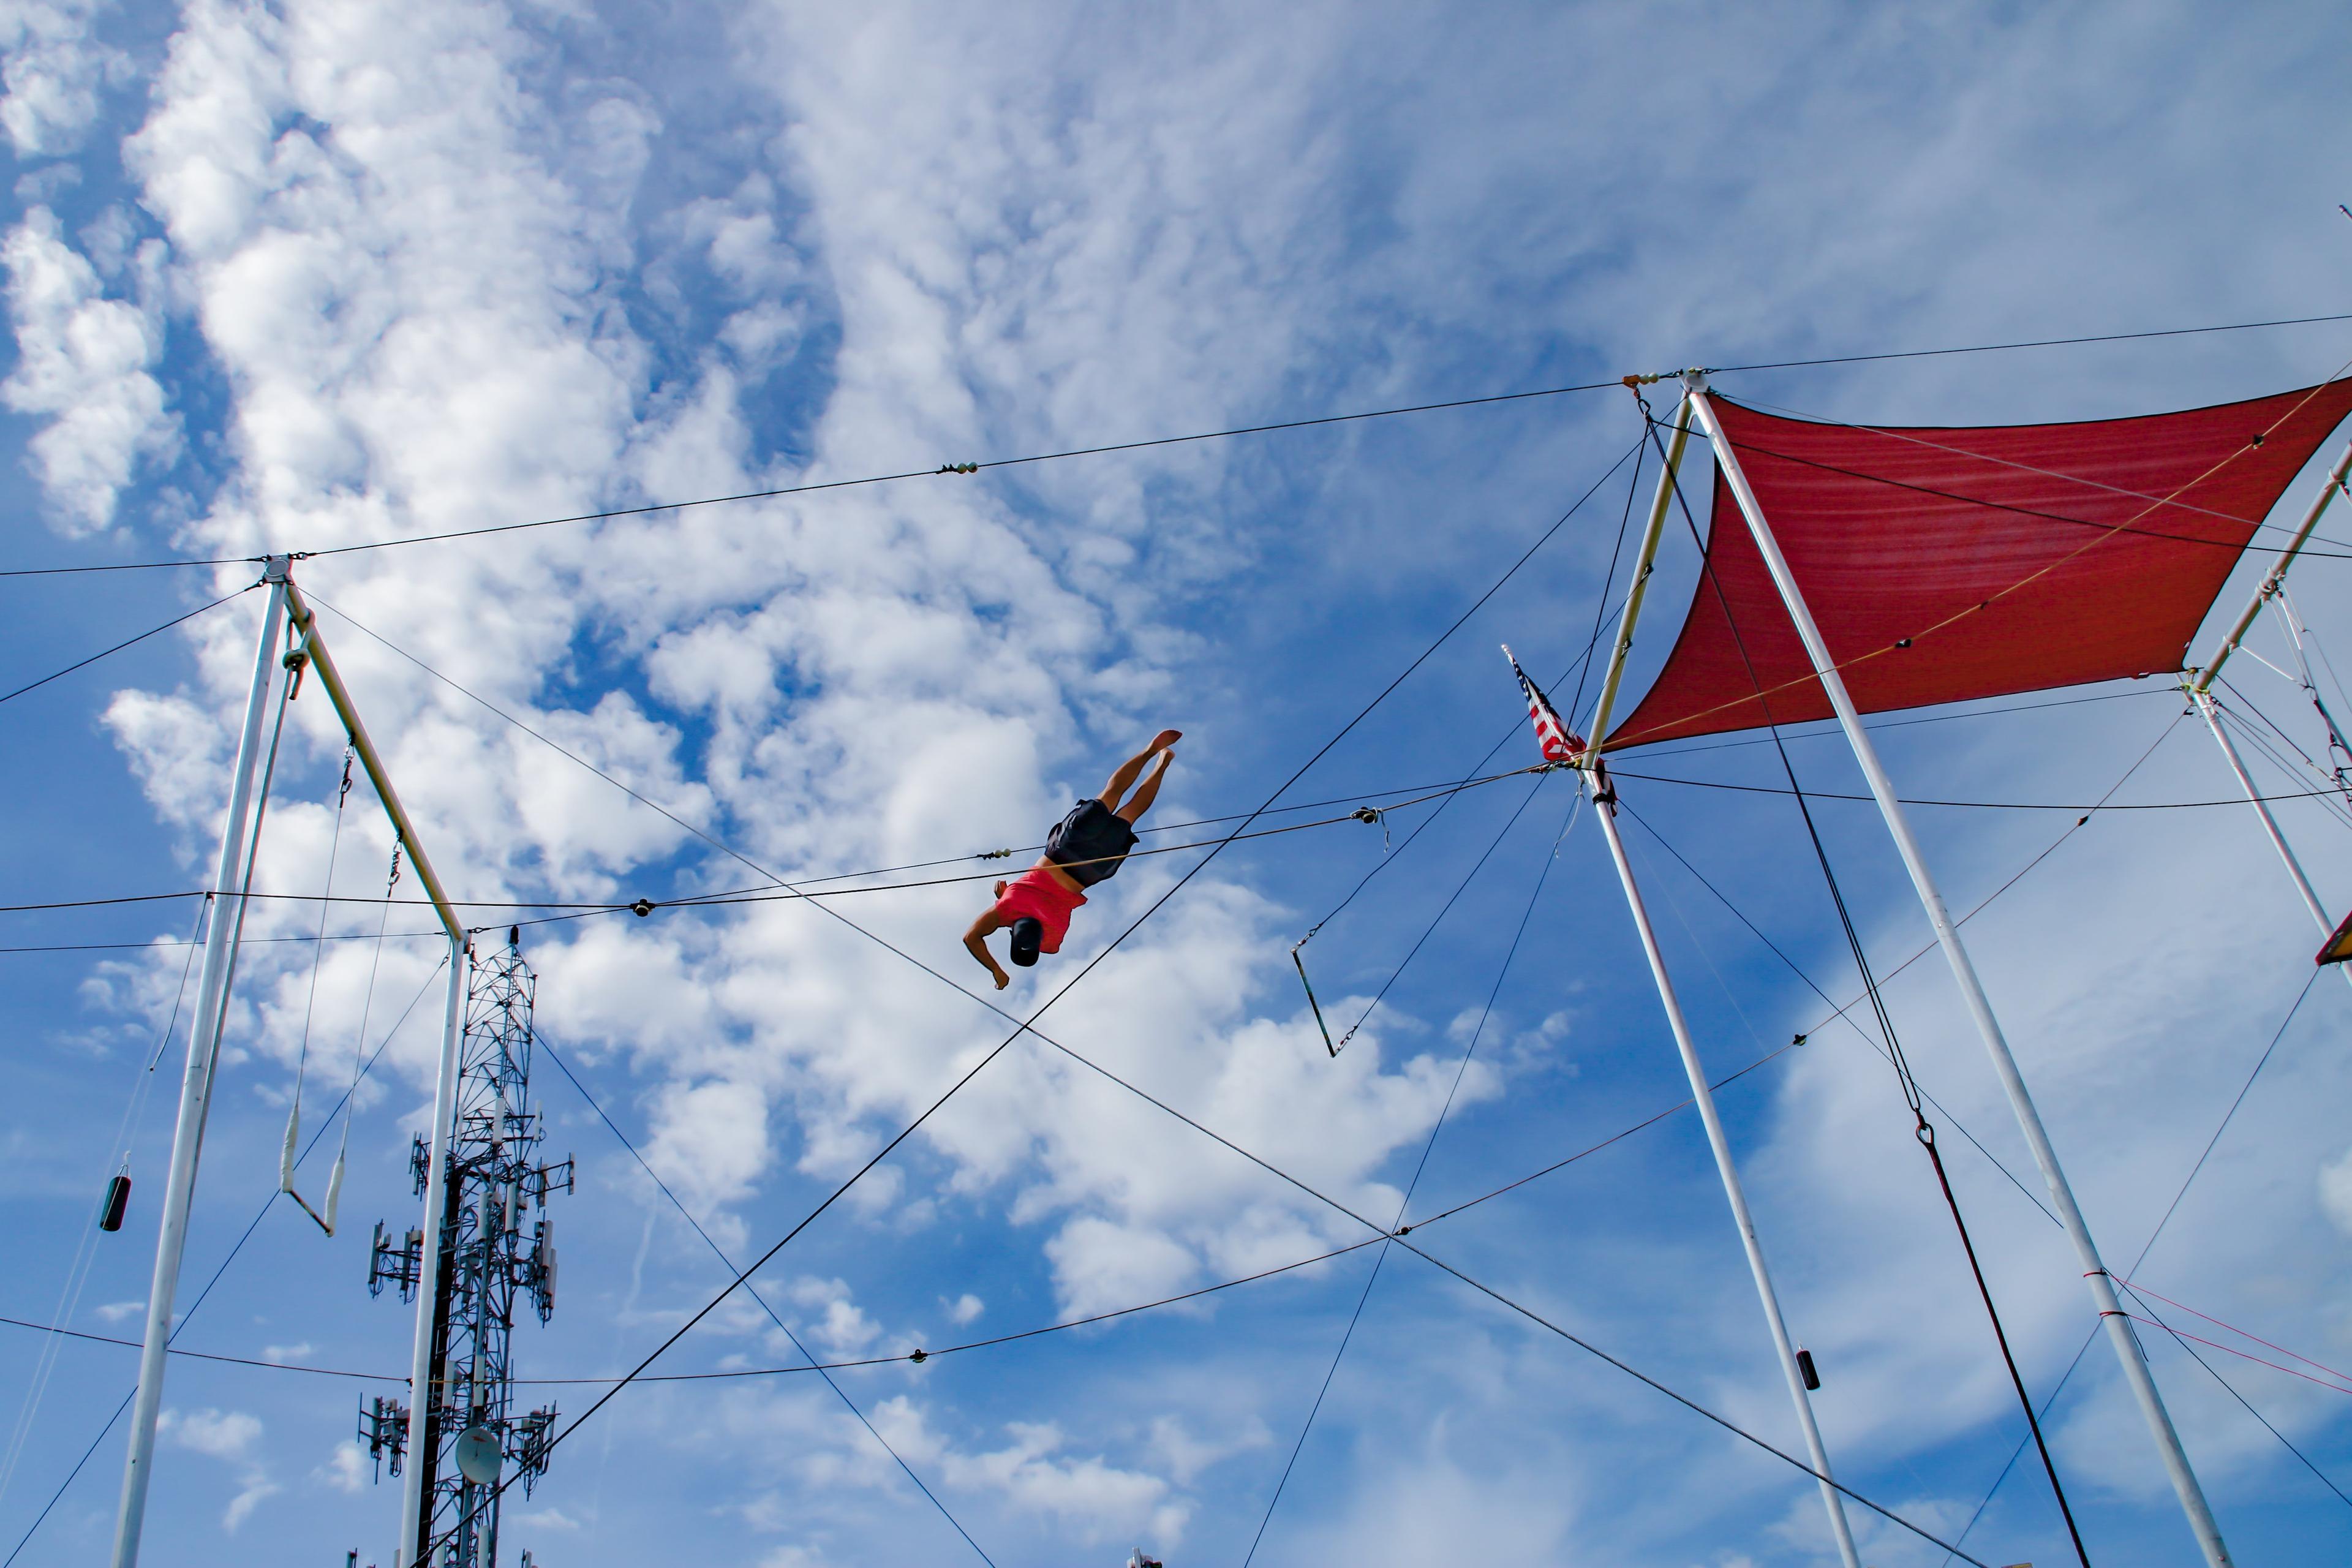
(1090, 843)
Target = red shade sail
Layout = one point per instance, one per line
(2012, 558)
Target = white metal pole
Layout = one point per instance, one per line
(421, 1370)
(1955, 953)
(1703, 1096)
(196, 1081)
(2207, 711)
(2275, 578)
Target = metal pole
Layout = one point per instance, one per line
(196, 1081)
(1644, 560)
(2275, 577)
(421, 1370)
(2207, 711)
(1604, 799)
(1955, 953)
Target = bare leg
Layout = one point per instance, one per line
(1146, 792)
(1116, 788)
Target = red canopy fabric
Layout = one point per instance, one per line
(2014, 558)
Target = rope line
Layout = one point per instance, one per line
(726, 1263)
(1922, 1130)
(1543, 873)
(1026, 1026)
(128, 642)
(1204, 436)
(188, 1316)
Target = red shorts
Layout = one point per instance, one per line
(1036, 894)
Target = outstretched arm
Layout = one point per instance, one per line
(1114, 790)
(976, 940)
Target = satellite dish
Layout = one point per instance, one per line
(479, 1456)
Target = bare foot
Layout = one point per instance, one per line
(1165, 739)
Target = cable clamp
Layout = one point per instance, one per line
(958, 468)
(994, 855)
(642, 908)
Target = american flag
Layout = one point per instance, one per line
(1559, 745)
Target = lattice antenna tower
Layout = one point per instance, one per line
(497, 1247)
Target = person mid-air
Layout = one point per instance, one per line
(1085, 847)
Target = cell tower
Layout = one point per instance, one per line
(471, 1440)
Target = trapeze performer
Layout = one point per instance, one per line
(1085, 847)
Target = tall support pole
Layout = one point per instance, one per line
(430, 1300)
(196, 1081)
(444, 1090)
(1955, 953)
(2210, 712)
(2199, 686)
(1703, 1096)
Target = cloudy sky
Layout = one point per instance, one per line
(308, 276)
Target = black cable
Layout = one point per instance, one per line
(127, 566)
(2215, 1373)
(118, 647)
(188, 1316)
(1912, 1096)
(1600, 605)
(1687, 1402)
(573, 1078)
(1026, 1026)
(2036, 343)
(2149, 1245)
(1543, 874)
(1434, 920)
(1205, 436)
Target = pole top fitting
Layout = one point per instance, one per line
(1693, 380)
(277, 568)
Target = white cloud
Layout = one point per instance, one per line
(1094, 1499)
(965, 1309)
(346, 1470)
(121, 1312)
(222, 1434)
(55, 70)
(83, 362)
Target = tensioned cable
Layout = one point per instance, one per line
(808, 892)
(1435, 920)
(1591, 1349)
(118, 647)
(188, 1315)
(1841, 1014)
(571, 1078)
(1469, 1050)
(86, 1247)
(1204, 436)
(2150, 1246)
(1026, 1025)
(1913, 1097)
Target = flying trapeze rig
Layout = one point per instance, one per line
(1846, 570)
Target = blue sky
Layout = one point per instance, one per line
(310, 276)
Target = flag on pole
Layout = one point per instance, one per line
(2338, 949)
(1559, 745)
